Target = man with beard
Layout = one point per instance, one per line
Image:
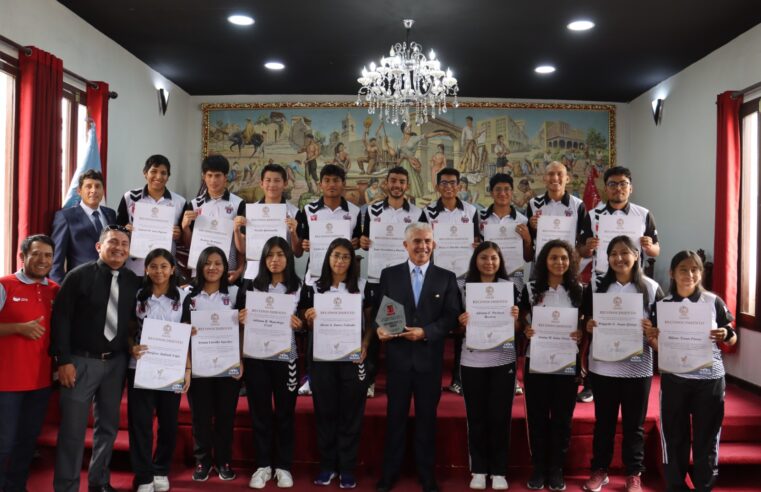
(26, 300)
(396, 209)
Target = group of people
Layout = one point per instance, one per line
(88, 333)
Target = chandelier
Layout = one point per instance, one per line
(406, 81)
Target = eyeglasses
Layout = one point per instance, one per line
(338, 257)
(448, 183)
(612, 185)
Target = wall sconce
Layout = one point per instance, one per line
(657, 110)
(163, 101)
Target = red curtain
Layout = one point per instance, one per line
(38, 178)
(727, 221)
(97, 108)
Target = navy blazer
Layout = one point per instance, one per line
(74, 236)
(437, 312)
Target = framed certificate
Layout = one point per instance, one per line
(618, 335)
(152, 227)
(610, 226)
(684, 341)
(267, 332)
(321, 234)
(387, 247)
(263, 221)
(551, 227)
(216, 346)
(210, 231)
(337, 327)
(454, 246)
(491, 325)
(162, 367)
(553, 351)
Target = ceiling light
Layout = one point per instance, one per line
(273, 65)
(544, 69)
(241, 20)
(407, 81)
(581, 25)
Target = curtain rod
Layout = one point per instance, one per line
(28, 51)
(748, 89)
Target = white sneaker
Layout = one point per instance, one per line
(284, 478)
(498, 482)
(478, 482)
(160, 483)
(305, 389)
(146, 487)
(260, 477)
(371, 391)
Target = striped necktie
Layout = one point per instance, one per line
(112, 312)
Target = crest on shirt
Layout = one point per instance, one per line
(176, 306)
(407, 219)
(465, 219)
(226, 300)
(269, 301)
(568, 212)
(313, 217)
(229, 209)
(192, 303)
(347, 216)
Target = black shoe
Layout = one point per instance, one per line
(431, 487)
(225, 472)
(101, 488)
(536, 481)
(556, 481)
(201, 472)
(455, 387)
(383, 486)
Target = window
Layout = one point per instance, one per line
(7, 156)
(749, 295)
(73, 134)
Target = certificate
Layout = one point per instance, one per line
(454, 246)
(387, 247)
(321, 234)
(684, 343)
(162, 367)
(553, 351)
(551, 227)
(618, 335)
(263, 221)
(337, 327)
(610, 226)
(267, 333)
(152, 227)
(491, 325)
(216, 346)
(509, 242)
(210, 231)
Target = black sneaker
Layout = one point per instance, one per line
(225, 472)
(536, 481)
(585, 396)
(556, 481)
(201, 473)
(455, 387)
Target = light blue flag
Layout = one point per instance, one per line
(90, 160)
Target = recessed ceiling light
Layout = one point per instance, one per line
(241, 20)
(581, 25)
(273, 65)
(544, 69)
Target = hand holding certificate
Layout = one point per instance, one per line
(321, 234)
(453, 246)
(162, 367)
(267, 332)
(490, 325)
(152, 227)
(618, 335)
(210, 231)
(553, 351)
(684, 343)
(610, 226)
(509, 242)
(551, 227)
(337, 327)
(216, 346)
(263, 221)
(387, 247)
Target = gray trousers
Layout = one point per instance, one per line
(100, 382)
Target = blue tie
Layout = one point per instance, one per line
(96, 222)
(417, 283)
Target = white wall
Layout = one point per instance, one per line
(674, 163)
(136, 129)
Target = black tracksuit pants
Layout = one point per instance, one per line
(213, 402)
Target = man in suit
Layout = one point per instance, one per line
(414, 357)
(76, 229)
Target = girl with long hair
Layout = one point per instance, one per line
(550, 398)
